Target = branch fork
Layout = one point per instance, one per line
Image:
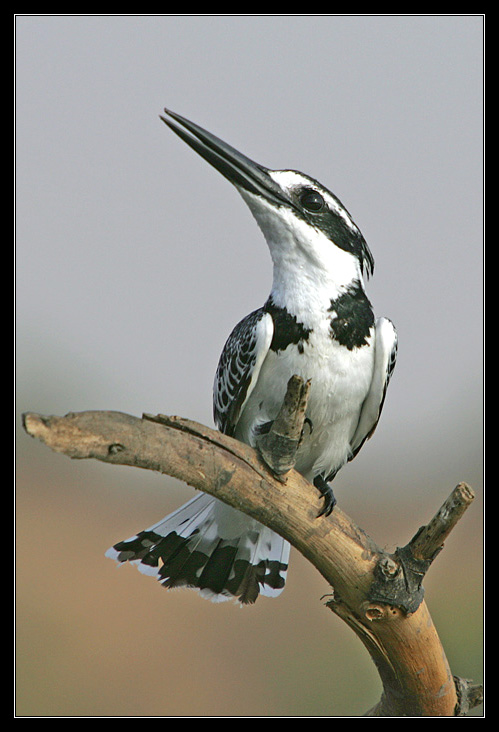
(278, 447)
(379, 595)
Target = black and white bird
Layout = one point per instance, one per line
(318, 324)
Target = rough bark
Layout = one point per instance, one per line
(378, 595)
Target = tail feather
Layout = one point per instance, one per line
(268, 575)
(210, 547)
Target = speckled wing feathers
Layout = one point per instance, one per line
(239, 366)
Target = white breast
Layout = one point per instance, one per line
(340, 381)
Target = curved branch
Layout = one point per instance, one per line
(405, 647)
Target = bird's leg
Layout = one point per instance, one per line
(279, 440)
(327, 494)
(264, 429)
(306, 421)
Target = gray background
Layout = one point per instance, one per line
(134, 261)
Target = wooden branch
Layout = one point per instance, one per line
(404, 645)
(278, 447)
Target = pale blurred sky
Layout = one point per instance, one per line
(134, 260)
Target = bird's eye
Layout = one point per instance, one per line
(312, 201)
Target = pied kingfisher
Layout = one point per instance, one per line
(318, 324)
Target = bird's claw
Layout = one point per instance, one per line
(327, 494)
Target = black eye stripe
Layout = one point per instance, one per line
(312, 200)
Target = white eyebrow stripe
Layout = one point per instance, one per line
(290, 179)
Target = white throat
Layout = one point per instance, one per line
(309, 269)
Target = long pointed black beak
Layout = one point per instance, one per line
(236, 167)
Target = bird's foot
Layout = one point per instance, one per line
(327, 494)
(309, 428)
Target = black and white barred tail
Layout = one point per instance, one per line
(210, 547)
